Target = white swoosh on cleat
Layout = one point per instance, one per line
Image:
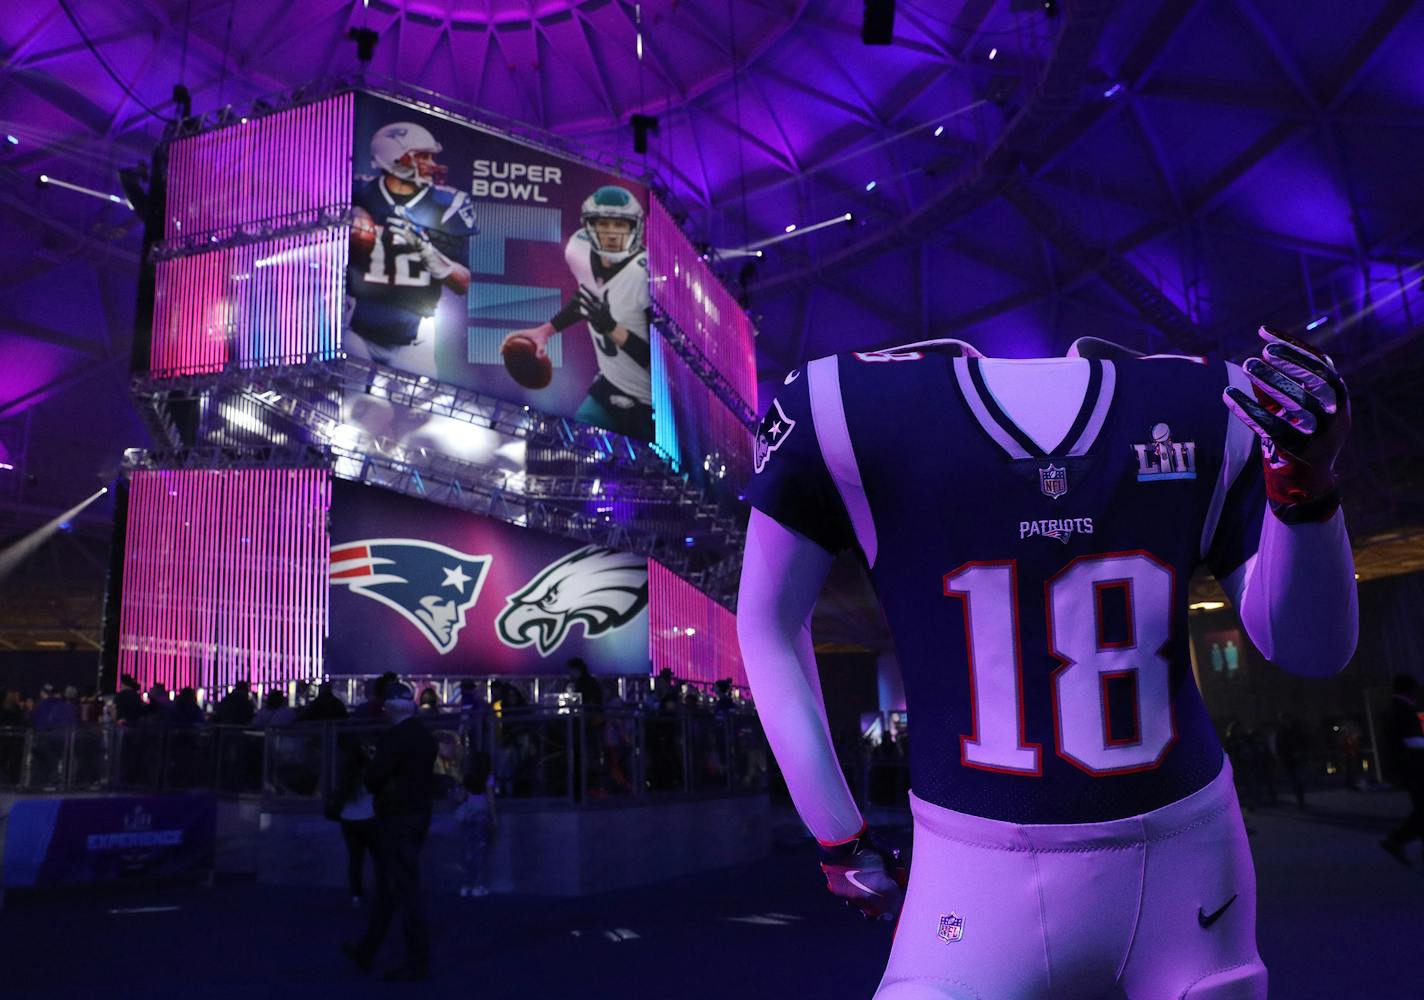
(850, 876)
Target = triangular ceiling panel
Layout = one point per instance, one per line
(1202, 141)
(1293, 191)
(771, 113)
(1238, 56)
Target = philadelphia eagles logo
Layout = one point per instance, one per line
(600, 588)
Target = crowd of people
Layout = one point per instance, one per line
(157, 739)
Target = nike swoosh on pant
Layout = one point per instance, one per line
(1206, 920)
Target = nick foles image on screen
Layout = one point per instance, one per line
(609, 262)
(407, 231)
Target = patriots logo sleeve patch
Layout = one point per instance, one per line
(431, 586)
(599, 588)
(774, 431)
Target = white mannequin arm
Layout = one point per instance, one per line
(782, 574)
(1296, 596)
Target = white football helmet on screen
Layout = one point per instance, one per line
(394, 149)
(613, 202)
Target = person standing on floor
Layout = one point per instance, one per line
(400, 780)
(356, 812)
(477, 821)
(1404, 731)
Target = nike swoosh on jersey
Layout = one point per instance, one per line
(1207, 919)
(851, 874)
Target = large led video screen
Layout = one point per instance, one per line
(469, 249)
(425, 589)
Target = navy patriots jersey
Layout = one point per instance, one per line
(1037, 599)
(392, 287)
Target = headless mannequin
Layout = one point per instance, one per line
(1296, 598)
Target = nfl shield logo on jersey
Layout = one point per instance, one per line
(1053, 481)
(951, 928)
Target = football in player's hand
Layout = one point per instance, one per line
(525, 364)
(363, 232)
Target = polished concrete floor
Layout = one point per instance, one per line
(1338, 919)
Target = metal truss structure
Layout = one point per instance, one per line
(703, 368)
(579, 481)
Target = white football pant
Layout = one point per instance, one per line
(1150, 907)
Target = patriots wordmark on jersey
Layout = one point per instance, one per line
(598, 588)
(391, 285)
(1036, 591)
(431, 586)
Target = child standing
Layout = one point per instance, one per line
(476, 818)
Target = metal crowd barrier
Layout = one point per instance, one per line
(574, 755)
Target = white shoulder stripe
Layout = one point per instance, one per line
(823, 382)
(1240, 449)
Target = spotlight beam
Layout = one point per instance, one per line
(10, 558)
(81, 189)
(752, 248)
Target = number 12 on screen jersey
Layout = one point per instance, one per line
(1088, 663)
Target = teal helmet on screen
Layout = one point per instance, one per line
(614, 202)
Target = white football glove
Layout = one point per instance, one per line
(407, 236)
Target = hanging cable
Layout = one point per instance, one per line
(737, 113)
(183, 56)
(84, 36)
(227, 39)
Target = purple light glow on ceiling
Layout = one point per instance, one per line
(1246, 138)
(1296, 193)
(30, 366)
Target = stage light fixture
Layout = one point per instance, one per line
(1113, 91)
(993, 54)
(642, 125)
(939, 131)
(870, 186)
(877, 27)
(1318, 321)
(133, 181)
(183, 101)
(791, 228)
(365, 40)
(12, 139)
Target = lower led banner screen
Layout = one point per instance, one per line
(423, 589)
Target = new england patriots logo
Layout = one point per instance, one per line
(600, 588)
(429, 585)
(775, 428)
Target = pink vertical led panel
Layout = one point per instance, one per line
(255, 304)
(695, 300)
(225, 576)
(293, 161)
(691, 634)
(277, 302)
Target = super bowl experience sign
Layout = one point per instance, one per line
(493, 265)
(65, 842)
(425, 589)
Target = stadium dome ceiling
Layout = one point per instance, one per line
(1168, 173)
